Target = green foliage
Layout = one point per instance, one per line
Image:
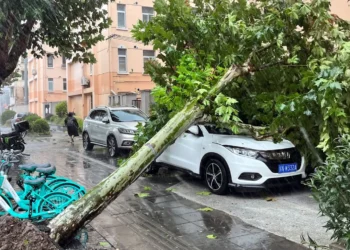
(297, 54)
(14, 76)
(331, 188)
(8, 123)
(61, 109)
(80, 123)
(48, 117)
(31, 119)
(7, 115)
(72, 27)
(40, 126)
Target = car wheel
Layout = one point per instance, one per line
(112, 146)
(216, 176)
(86, 142)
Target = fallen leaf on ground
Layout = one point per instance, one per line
(205, 209)
(142, 195)
(147, 188)
(170, 189)
(270, 199)
(104, 244)
(204, 193)
(211, 236)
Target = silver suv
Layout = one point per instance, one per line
(113, 128)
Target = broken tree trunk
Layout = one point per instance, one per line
(88, 207)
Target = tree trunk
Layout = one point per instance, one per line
(88, 207)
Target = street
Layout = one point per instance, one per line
(169, 218)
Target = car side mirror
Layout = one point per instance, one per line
(194, 130)
(105, 120)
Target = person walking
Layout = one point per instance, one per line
(72, 126)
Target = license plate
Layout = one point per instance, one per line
(287, 168)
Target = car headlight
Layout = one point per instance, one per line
(126, 131)
(243, 152)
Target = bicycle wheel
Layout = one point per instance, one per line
(55, 202)
(55, 181)
(2, 210)
(70, 189)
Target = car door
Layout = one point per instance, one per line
(102, 128)
(91, 125)
(186, 152)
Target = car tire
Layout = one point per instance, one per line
(112, 146)
(215, 176)
(87, 143)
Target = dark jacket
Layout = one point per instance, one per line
(72, 126)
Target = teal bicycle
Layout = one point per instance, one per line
(41, 207)
(53, 182)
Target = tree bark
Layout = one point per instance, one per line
(88, 207)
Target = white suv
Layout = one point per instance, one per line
(113, 128)
(225, 160)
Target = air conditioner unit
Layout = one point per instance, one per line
(121, 47)
(85, 81)
(34, 72)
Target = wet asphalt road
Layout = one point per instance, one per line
(164, 220)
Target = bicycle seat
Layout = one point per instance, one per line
(35, 182)
(47, 171)
(28, 167)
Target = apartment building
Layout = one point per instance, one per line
(118, 74)
(341, 8)
(17, 91)
(47, 83)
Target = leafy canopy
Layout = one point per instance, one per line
(72, 27)
(298, 54)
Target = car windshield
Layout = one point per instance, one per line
(218, 131)
(128, 115)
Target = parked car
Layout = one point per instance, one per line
(113, 128)
(226, 160)
(18, 118)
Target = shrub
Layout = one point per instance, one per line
(41, 126)
(7, 115)
(61, 109)
(8, 123)
(330, 185)
(53, 118)
(80, 123)
(48, 117)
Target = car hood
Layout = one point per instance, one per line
(250, 142)
(129, 125)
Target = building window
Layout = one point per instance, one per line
(91, 69)
(147, 55)
(50, 81)
(122, 60)
(147, 14)
(121, 16)
(64, 84)
(63, 61)
(50, 61)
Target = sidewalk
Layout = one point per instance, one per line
(163, 220)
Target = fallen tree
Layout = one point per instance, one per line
(290, 40)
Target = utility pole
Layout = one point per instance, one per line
(26, 81)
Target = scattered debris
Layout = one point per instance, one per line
(147, 188)
(204, 193)
(205, 209)
(270, 199)
(211, 236)
(142, 195)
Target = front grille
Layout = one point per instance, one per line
(277, 182)
(285, 156)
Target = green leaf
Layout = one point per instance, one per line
(204, 193)
(142, 195)
(211, 236)
(205, 209)
(170, 189)
(104, 244)
(147, 188)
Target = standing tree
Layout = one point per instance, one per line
(71, 26)
(286, 67)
